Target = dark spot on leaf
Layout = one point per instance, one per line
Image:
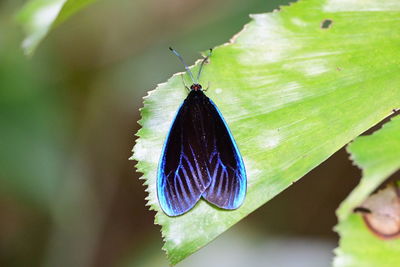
(362, 210)
(326, 23)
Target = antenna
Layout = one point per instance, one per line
(181, 59)
(202, 63)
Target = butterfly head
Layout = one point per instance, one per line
(195, 87)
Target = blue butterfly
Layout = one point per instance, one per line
(200, 158)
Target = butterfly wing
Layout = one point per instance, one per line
(228, 185)
(200, 159)
(183, 174)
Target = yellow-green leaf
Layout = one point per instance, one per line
(294, 86)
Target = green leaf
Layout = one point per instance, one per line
(293, 94)
(378, 155)
(38, 17)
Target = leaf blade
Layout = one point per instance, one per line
(292, 94)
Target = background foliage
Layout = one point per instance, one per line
(38, 17)
(379, 157)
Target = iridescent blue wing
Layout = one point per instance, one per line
(183, 170)
(228, 185)
(200, 159)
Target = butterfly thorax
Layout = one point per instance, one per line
(197, 97)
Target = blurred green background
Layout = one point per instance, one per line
(68, 194)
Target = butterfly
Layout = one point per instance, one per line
(200, 158)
